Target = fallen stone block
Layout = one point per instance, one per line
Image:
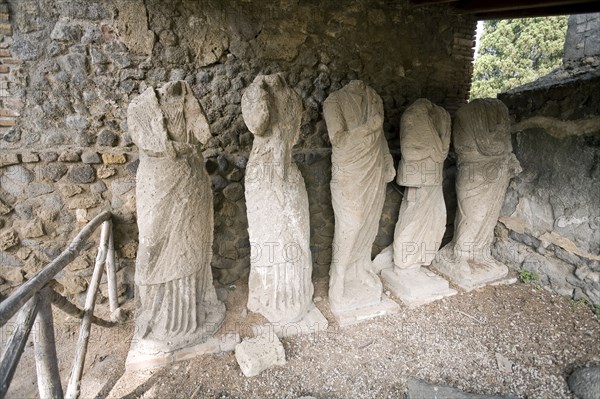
(254, 355)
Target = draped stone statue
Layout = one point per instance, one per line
(177, 302)
(280, 285)
(362, 167)
(424, 140)
(485, 165)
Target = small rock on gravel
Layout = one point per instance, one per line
(255, 355)
(418, 389)
(585, 382)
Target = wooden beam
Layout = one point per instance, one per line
(73, 388)
(44, 345)
(540, 12)
(489, 6)
(503, 9)
(111, 272)
(431, 2)
(16, 344)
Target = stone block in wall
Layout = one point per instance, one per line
(82, 173)
(37, 189)
(11, 275)
(129, 250)
(69, 156)
(277, 45)
(113, 159)
(208, 43)
(84, 201)
(132, 26)
(583, 37)
(65, 30)
(15, 179)
(8, 159)
(104, 172)
(33, 229)
(4, 209)
(69, 190)
(107, 138)
(90, 157)
(123, 199)
(8, 239)
(71, 284)
(30, 157)
(33, 265)
(54, 171)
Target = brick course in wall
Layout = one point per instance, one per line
(10, 106)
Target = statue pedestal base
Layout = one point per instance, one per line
(471, 274)
(416, 287)
(312, 323)
(346, 317)
(138, 360)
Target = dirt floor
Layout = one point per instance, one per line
(516, 339)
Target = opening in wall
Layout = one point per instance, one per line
(513, 52)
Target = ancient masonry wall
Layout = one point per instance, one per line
(69, 69)
(550, 222)
(582, 43)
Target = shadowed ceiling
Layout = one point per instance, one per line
(500, 9)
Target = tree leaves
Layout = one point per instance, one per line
(513, 52)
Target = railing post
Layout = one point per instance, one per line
(111, 273)
(73, 389)
(46, 362)
(16, 344)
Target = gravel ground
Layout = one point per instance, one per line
(517, 339)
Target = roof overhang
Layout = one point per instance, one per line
(502, 9)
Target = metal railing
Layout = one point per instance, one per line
(35, 298)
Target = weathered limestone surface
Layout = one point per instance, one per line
(364, 166)
(424, 140)
(132, 25)
(254, 355)
(178, 306)
(485, 166)
(280, 286)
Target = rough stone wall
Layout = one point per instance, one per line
(76, 64)
(582, 42)
(550, 222)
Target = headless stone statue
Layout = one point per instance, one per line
(178, 306)
(280, 286)
(424, 140)
(485, 165)
(363, 166)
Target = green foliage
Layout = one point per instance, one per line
(582, 301)
(585, 301)
(513, 52)
(527, 277)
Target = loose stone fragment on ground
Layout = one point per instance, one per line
(254, 355)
